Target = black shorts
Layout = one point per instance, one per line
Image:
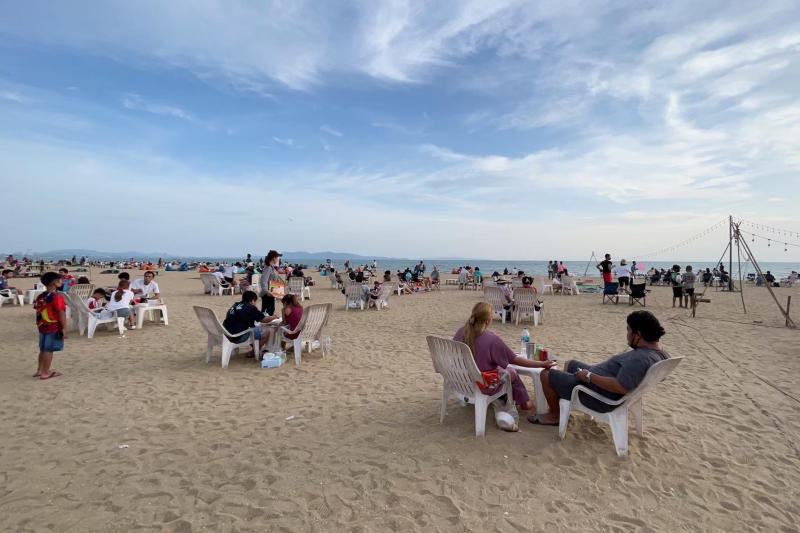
(677, 292)
(689, 292)
(564, 382)
(229, 280)
(623, 281)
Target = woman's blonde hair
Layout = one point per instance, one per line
(477, 322)
(123, 285)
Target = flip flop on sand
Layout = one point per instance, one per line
(53, 374)
(536, 420)
(37, 376)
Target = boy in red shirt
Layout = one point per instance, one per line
(51, 319)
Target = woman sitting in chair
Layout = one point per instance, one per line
(491, 353)
(292, 315)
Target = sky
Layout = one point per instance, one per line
(503, 129)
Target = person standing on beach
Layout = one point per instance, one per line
(51, 319)
(688, 279)
(605, 267)
(677, 285)
(270, 274)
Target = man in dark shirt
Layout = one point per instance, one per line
(605, 267)
(243, 316)
(613, 378)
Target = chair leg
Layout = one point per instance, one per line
(636, 411)
(91, 326)
(209, 348)
(164, 316)
(618, 421)
(564, 407)
(443, 410)
(227, 349)
(121, 325)
(481, 406)
(298, 351)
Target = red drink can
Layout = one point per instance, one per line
(545, 355)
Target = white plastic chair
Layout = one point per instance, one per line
(496, 298)
(454, 361)
(208, 282)
(569, 285)
(541, 286)
(525, 302)
(315, 317)
(81, 290)
(218, 335)
(87, 320)
(217, 288)
(353, 296)
(10, 295)
(297, 286)
(618, 418)
(383, 296)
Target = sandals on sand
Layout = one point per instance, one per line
(536, 420)
(53, 374)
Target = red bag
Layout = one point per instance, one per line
(491, 379)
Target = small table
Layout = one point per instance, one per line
(141, 309)
(535, 375)
(31, 294)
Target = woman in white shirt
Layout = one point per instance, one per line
(623, 274)
(120, 302)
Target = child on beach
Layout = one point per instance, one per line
(677, 285)
(67, 279)
(121, 302)
(97, 300)
(292, 314)
(51, 319)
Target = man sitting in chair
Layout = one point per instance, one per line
(146, 289)
(613, 378)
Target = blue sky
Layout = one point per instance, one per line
(519, 130)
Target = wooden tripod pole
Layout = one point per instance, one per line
(785, 313)
(739, 260)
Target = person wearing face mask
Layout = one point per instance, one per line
(613, 378)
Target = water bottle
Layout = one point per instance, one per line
(525, 338)
(328, 343)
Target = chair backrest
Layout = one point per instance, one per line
(209, 321)
(295, 285)
(538, 282)
(516, 282)
(525, 299)
(495, 297)
(208, 279)
(82, 290)
(386, 290)
(255, 284)
(611, 287)
(454, 361)
(353, 292)
(655, 374)
(315, 317)
(76, 303)
(638, 289)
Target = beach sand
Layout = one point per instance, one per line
(212, 449)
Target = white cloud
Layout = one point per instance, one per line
(327, 129)
(135, 102)
(287, 141)
(12, 96)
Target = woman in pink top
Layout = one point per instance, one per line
(490, 352)
(292, 314)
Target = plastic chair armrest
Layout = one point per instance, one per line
(593, 394)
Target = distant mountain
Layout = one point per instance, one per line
(67, 253)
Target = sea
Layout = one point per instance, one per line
(579, 268)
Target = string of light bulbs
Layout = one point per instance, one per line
(770, 240)
(776, 231)
(718, 225)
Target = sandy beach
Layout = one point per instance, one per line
(211, 449)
